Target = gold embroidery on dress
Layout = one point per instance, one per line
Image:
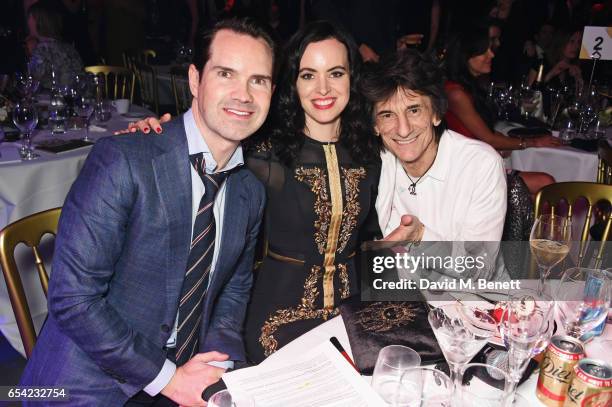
(317, 181)
(384, 316)
(306, 310)
(345, 291)
(263, 146)
(352, 208)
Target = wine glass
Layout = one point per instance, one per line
(549, 242)
(583, 298)
(224, 398)
(524, 326)
(423, 387)
(391, 363)
(458, 338)
(25, 118)
(84, 107)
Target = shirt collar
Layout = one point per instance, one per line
(197, 144)
(441, 163)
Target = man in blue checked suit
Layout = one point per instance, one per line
(153, 262)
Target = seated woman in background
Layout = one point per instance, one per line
(50, 53)
(469, 57)
(563, 65)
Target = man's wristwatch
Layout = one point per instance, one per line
(523, 143)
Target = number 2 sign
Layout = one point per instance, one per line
(596, 43)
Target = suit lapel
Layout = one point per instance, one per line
(173, 179)
(235, 219)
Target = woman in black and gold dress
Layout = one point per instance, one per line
(320, 167)
(320, 163)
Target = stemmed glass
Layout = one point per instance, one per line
(424, 387)
(525, 329)
(84, 107)
(458, 338)
(391, 364)
(549, 242)
(25, 118)
(583, 298)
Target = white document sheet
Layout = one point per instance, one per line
(320, 377)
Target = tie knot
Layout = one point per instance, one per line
(211, 181)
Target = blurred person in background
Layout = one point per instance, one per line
(562, 67)
(50, 53)
(469, 113)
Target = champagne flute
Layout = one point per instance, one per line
(524, 324)
(84, 107)
(549, 242)
(583, 298)
(25, 118)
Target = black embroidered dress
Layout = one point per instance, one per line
(316, 215)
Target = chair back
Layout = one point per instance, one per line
(29, 231)
(147, 84)
(604, 169)
(180, 89)
(593, 193)
(143, 56)
(122, 80)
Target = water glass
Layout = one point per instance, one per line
(483, 385)
(423, 387)
(224, 398)
(391, 364)
(583, 299)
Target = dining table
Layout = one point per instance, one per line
(600, 347)
(28, 187)
(564, 163)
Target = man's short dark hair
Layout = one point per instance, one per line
(411, 71)
(244, 25)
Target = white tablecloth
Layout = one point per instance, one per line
(335, 327)
(563, 163)
(27, 187)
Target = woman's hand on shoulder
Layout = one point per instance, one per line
(145, 125)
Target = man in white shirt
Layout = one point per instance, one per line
(435, 185)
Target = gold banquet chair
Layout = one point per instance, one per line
(147, 82)
(130, 57)
(604, 168)
(123, 80)
(570, 192)
(180, 89)
(29, 231)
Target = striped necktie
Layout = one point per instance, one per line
(199, 264)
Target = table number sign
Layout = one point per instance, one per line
(596, 43)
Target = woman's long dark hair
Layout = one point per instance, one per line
(287, 120)
(465, 45)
